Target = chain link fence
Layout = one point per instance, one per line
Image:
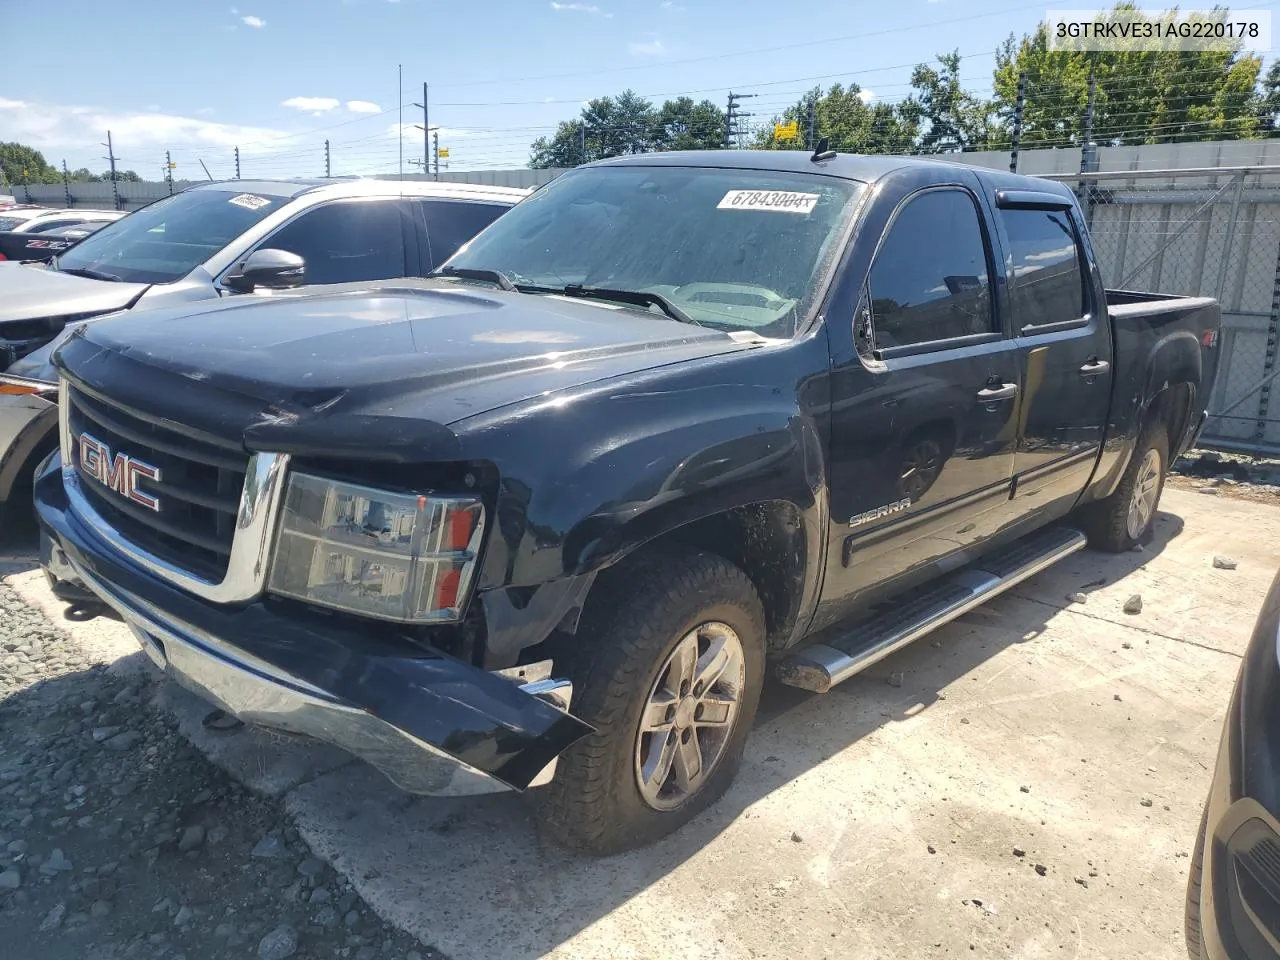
(1212, 232)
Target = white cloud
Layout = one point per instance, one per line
(673, 7)
(363, 106)
(647, 48)
(252, 21)
(590, 8)
(866, 96)
(313, 104)
(137, 136)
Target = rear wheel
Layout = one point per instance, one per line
(1126, 518)
(669, 673)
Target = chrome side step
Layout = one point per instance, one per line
(820, 667)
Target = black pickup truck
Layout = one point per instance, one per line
(675, 421)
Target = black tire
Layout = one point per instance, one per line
(1106, 521)
(627, 633)
(1195, 935)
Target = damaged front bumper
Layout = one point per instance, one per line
(432, 724)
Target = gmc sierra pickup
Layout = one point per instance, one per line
(674, 421)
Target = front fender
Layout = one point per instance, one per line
(589, 476)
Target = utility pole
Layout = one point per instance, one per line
(1017, 121)
(732, 115)
(237, 163)
(400, 125)
(115, 184)
(66, 182)
(435, 150)
(582, 142)
(426, 128)
(168, 171)
(1088, 151)
(813, 112)
(326, 159)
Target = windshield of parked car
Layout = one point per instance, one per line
(730, 249)
(165, 241)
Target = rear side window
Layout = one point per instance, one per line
(451, 223)
(346, 242)
(1048, 283)
(930, 280)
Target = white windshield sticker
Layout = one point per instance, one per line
(249, 201)
(779, 200)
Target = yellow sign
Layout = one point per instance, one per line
(443, 152)
(786, 131)
(173, 166)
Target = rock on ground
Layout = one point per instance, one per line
(119, 840)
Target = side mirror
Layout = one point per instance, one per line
(272, 269)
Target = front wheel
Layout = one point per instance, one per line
(1126, 518)
(668, 670)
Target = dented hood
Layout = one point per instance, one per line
(367, 369)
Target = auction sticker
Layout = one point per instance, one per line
(249, 201)
(780, 201)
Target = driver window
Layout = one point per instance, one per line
(930, 280)
(346, 242)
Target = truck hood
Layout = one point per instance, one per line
(367, 370)
(29, 292)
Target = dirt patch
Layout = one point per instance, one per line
(118, 839)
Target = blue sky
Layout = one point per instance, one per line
(279, 76)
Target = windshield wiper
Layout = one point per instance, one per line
(91, 274)
(641, 298)
(477, 273)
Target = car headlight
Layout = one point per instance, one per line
(377, 553)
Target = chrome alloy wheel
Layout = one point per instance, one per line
(1145, 490)
(689, 716)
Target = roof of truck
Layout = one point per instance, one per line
(849, 166)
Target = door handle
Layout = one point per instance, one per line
(1006, 391)
(1094, 367)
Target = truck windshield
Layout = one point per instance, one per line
(165, 241)
(731, 249)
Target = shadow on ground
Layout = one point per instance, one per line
(471, 877)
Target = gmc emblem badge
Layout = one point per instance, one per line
(119, 473)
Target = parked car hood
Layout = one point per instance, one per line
(31, 292)
(367, 369)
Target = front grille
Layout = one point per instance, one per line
(198, 491)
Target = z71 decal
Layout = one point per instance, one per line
(858, 519)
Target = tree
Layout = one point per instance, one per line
(1142, 95)
(953, 119)
(847, 120)
(628, 123)
(22, 164)
(1269, 99)
(684, 125)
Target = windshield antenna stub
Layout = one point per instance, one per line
(822, 151)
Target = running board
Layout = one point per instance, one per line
(820, 667)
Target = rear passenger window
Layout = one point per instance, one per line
(1048, 283)
(451, 223)
(930, 280)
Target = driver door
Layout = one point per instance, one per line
(924, 421)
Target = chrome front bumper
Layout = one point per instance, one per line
(256, 693)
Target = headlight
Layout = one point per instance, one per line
(376, 553)
(25, 386)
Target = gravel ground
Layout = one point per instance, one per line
(119, 839)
